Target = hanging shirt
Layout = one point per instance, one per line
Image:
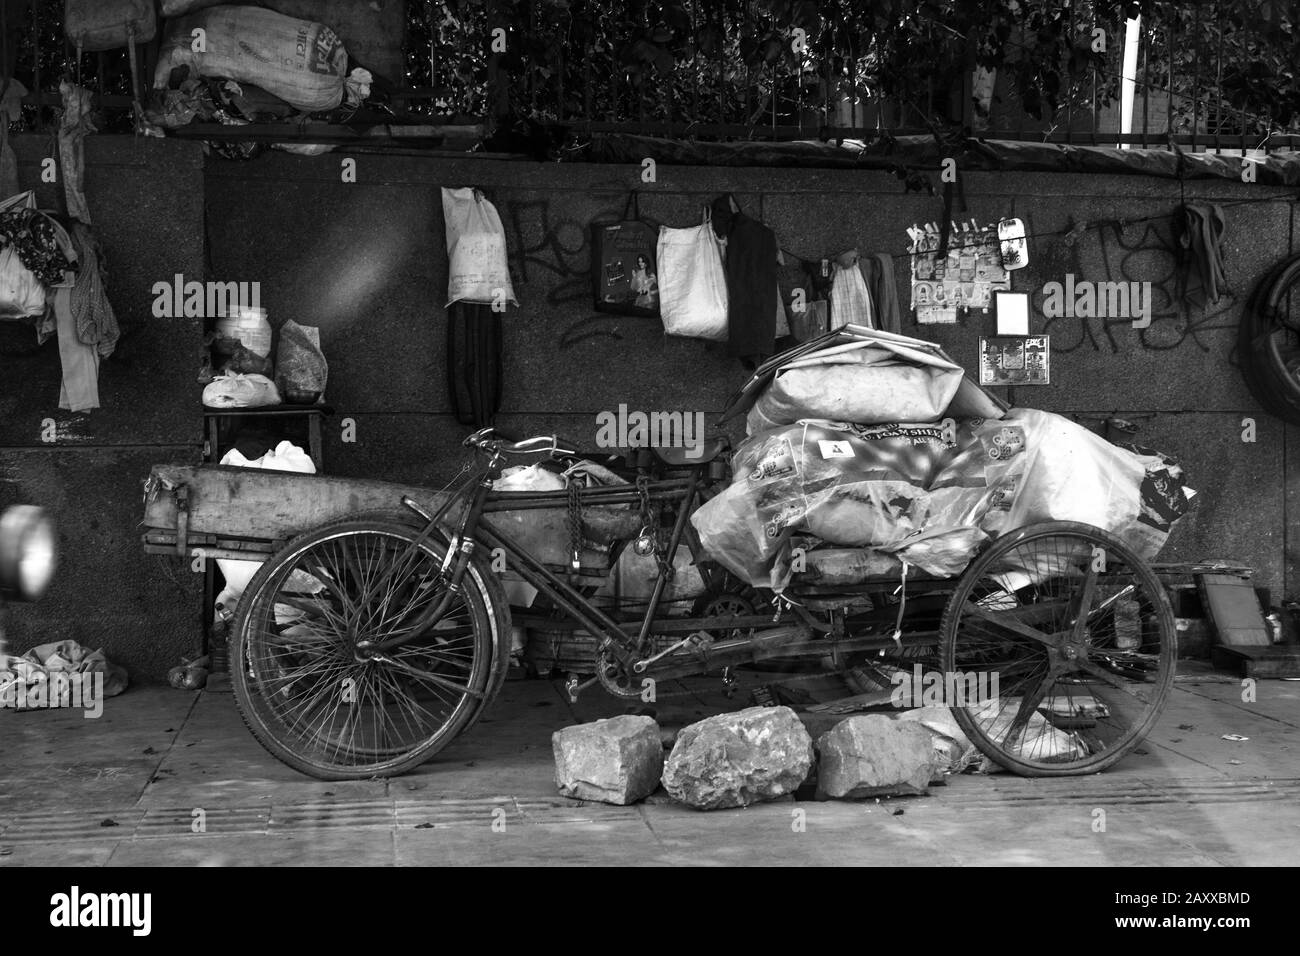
(751, 280)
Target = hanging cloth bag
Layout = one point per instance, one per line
(624, 274)
(476, 248)
(692, 284)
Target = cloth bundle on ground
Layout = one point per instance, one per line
(59, 657)
(930, 494)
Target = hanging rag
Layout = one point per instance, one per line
(10, 112)
(96, 323)
(80, 389)
(73, 127)
(1201, 278)
(750, 267)
(850, 300)
(878, 271)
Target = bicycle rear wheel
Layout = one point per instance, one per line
(311, 682)
(1075, 636)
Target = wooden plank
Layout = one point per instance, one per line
(269, 505)
(279, 505)
(1233, 607)
(1273, 662)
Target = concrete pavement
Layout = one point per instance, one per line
(132, 787)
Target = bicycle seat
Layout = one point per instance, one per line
(684, 456)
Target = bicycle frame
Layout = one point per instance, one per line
(473, 532)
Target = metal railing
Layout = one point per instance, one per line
(456, 77)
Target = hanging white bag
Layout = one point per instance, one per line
(21, 293)
(476, 248)
(692, 284)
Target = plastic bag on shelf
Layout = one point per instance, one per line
(233, 390)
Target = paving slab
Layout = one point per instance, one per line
(158, 758)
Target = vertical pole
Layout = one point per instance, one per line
(1218, 79)
(36, 57)
(498, 91)
(1196, 76)
(1146, 87)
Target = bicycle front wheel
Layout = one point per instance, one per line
(313, 683)
(1074, 634)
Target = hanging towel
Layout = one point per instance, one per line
(80, 389)
(1201, 276)
(850, 300)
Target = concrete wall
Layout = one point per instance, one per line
(146, 198)
(366, 262)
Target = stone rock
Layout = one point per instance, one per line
(873, 756)
(952, 748)
(618, 760)
(733, 760)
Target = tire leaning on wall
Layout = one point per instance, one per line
(1262, 342)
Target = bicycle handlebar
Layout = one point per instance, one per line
(537, 445)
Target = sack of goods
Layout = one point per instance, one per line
(868, 498)
(302, 62)
(94, 25)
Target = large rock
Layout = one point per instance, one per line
(872, 756)
(952, 748)
(618, 760)
(733, 760)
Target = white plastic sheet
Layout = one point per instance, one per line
(858, 382)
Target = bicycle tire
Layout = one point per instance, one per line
(270, 666)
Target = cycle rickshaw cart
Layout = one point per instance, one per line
(378, 629)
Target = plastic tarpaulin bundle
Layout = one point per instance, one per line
(859, 382)
(931, 493)
(862, 375)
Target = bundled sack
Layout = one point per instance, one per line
(542, 532)
(234, 390)
(285, 456)
(878, 487)
(867, 383)
(692, 283)
(33, 676)
(301, 369)
(930, 494)
(478, 269)
(302, 62)
(21, 293)
(94, 25)
(1073, 474)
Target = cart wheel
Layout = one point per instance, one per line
(313, 686)
(1065, 639)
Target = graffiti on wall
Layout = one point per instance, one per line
(1145, 252)
(554, 250)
